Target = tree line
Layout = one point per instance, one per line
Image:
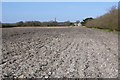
(37, 23)
(42, 24)
(110, 20)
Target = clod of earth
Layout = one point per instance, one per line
(59, 52)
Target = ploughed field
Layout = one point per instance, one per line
(58, 53)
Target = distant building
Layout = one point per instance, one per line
(77, 24)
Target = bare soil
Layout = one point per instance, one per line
(59, 52)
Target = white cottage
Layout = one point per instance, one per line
(77, 24)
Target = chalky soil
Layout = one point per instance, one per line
(59, 52)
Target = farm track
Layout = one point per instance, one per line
(59, 52)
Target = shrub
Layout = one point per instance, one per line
(106, 21)
(86, 20)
